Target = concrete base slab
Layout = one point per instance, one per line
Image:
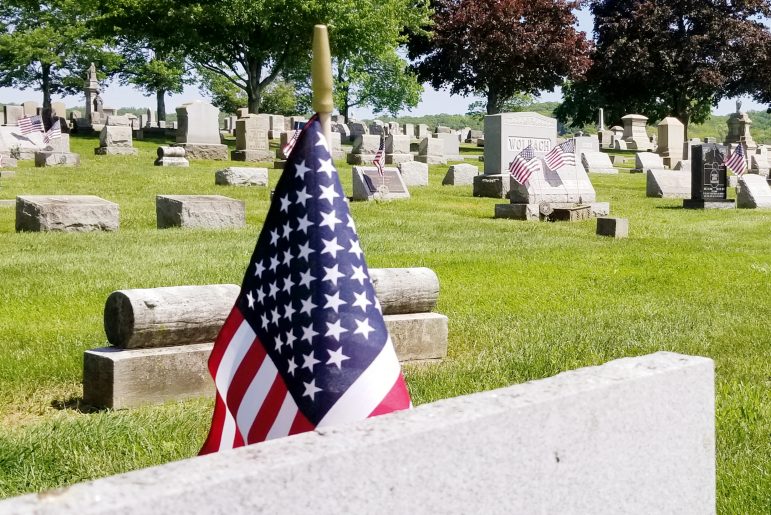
(432, 160)
(397, 158)
(199, 212)
(527, 212)
(253, 155)
(8, 162)
(708, 204)
(65, 213)
(205, 151)
(179, 162)
(116, 151)
(47, 158)
(7, 174)
(594, 440)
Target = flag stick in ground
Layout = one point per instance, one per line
(321, 79)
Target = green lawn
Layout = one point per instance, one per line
(525, 301)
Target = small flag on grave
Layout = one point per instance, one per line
(55, 132)
(737, 162)
(379, 160)
(293, 140)
(562, 155)
(524, 165)
(306, 344)
(30, 124)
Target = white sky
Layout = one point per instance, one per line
(433, 101)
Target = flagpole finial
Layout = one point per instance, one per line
(321, 76)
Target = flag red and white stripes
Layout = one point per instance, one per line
(561, 155)
(524, 165)
(379, 160)
(55, 132)
(737, 162)
(30, 124)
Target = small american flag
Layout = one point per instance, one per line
(55, 132)
(293, 140)
(523, 165)
(562, 155)
(305, 345)
(379, 161)
(31, 124)
(737, 162)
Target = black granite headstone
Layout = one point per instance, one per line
(708, 178)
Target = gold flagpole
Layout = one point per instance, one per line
(321, 78)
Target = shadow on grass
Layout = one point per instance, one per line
(75, 403)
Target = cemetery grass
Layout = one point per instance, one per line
(525, 301)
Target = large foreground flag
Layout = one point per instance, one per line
(30, 124)
(562, 155)
(737, 163)
(305, 345)
(523, 165)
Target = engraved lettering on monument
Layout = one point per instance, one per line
(388, 183)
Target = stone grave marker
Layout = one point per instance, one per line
(252, 139)
(671, 132)
(13, 114)
(115, 138)
(59, 109)
(30, 107)
(397, 148)
(365, 146)
(460, 175)
(357, 129)
(422, 131)
(369, 185)
(635, 135)
(199, 212)
(440, 129)
(414, 173)
(431, 151)
(451, 145)
(276, 126)
(597, 162)
(65, 213)
(171, 156)
(644, 161)
(57, 153)
(198, 131)
(668, 184)
(241, 176)
(753, 192)
(708, 179)
(408, 129)
(613, 227)
(759, 164)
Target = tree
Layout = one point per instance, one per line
(251, 43)
(280, 97)
(501, 48)
(518, 103)
(666, 58)
(47, 46)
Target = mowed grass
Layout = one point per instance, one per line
(524, 300)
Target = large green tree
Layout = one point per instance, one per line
(501, 48)
(251, 43)
(667, 58)
(47, 46)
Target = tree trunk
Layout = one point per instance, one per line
(492, 102)
(253, 88)
(160, 99)
(46, 85)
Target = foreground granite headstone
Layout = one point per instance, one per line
(369, 185)
(199, 212)
(65, 213)
(708, 179)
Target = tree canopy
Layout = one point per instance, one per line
(667, 58)
(501, 48)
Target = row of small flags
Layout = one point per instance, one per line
(525, 163)
(31, 124)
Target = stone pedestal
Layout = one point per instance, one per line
(671, 132)
(65, 213)
(739, 125)
(199, 212)
(635, 135)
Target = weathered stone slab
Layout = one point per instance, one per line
(8, 162)
(199, 212)
(593, 440)
(613, 227)
(198, 123)
(48, 158)
(597, 162)
(527, 212)
(451, 147)
(644, 161)
(171, 156)
(369, 185)
(759, 164)
(241, 176)
(212, 152)
(668, 184)
(414, 173)
(431, 151)
(65, 213)
(460, 175)
(116, 151)
(753, 192)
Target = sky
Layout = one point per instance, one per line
(433, 101)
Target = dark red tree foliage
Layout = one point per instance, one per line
(499, 48)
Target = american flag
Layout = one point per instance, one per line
(55, 132)
(31, 124)
(737, 163)
(523, 165)
(562, 155)
(293, 140)
(305, 345)
(379, 161)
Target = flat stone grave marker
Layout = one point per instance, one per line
(597, 162)
(753, 192)
(241, 176)
(368, 184)
(65, 213)
(199, 212)
(668, 184)
(644, 161)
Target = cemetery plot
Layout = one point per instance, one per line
(368, 184)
